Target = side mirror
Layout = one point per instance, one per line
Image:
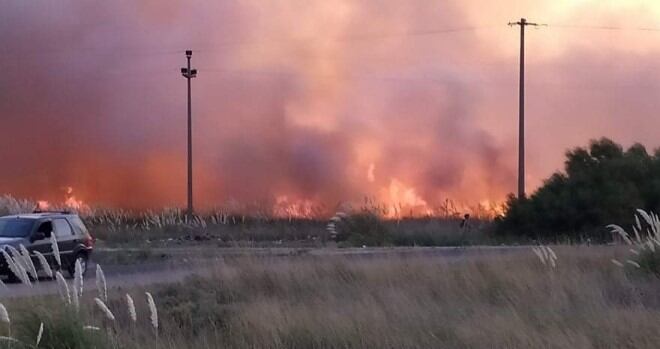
(38, 236)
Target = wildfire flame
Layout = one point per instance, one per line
(43, 205)
(287, 208)
(70, 202)
(395, 201)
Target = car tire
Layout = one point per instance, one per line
(83, 262)
(12, 279)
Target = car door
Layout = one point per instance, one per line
(66, 240)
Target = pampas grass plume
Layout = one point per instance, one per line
(78, 278)
(45, 266)
(28, 262)
(41, 332)
(104, 308)
(63, 287)
(152, 310)
(4, 315)
(131, 307)
(101, 285)
(56, 249)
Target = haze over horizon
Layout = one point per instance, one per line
(314, 101)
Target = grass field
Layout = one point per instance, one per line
(489, 301)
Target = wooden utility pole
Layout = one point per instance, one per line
(521, 108)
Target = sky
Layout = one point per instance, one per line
(314, 102)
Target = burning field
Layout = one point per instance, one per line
(281, 225)
(399, 203)
(293, 124)
(307, 108)
(352, 165)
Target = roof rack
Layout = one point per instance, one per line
(37, 210)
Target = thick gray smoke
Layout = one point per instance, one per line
(295, 100)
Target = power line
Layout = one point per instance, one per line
(596, 27)
(219, 46)
(210, 47)
(92, 51)
(213, 47)
(358, 37)
(412, 33)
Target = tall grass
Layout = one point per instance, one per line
(66, 323)
(644, 242)
(488, 301)
(252, 231)
(420, 302)
(258, 225)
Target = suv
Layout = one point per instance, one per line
(34, 231)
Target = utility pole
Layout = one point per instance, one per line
(521, 108)
(189, 73)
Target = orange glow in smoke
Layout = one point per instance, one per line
(496, 208)
(400, 199)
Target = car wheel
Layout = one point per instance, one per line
(83, 263)
(12, 279)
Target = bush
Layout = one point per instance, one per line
(600, 184)
(362, 229)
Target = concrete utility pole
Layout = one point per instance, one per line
(189, 73)
(521, 108)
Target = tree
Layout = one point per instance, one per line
(601, 184)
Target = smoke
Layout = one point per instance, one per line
(308, 100)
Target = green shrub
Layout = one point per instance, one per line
(600, 184)
(362, 229)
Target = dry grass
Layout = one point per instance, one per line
(260, 232)
(261, 226)
(491, 300)
(494, 301)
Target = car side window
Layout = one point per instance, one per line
(46, 228)
(78, 226)
(62, 228)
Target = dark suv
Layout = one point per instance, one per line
(34, 231)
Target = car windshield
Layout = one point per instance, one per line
(15, 227)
